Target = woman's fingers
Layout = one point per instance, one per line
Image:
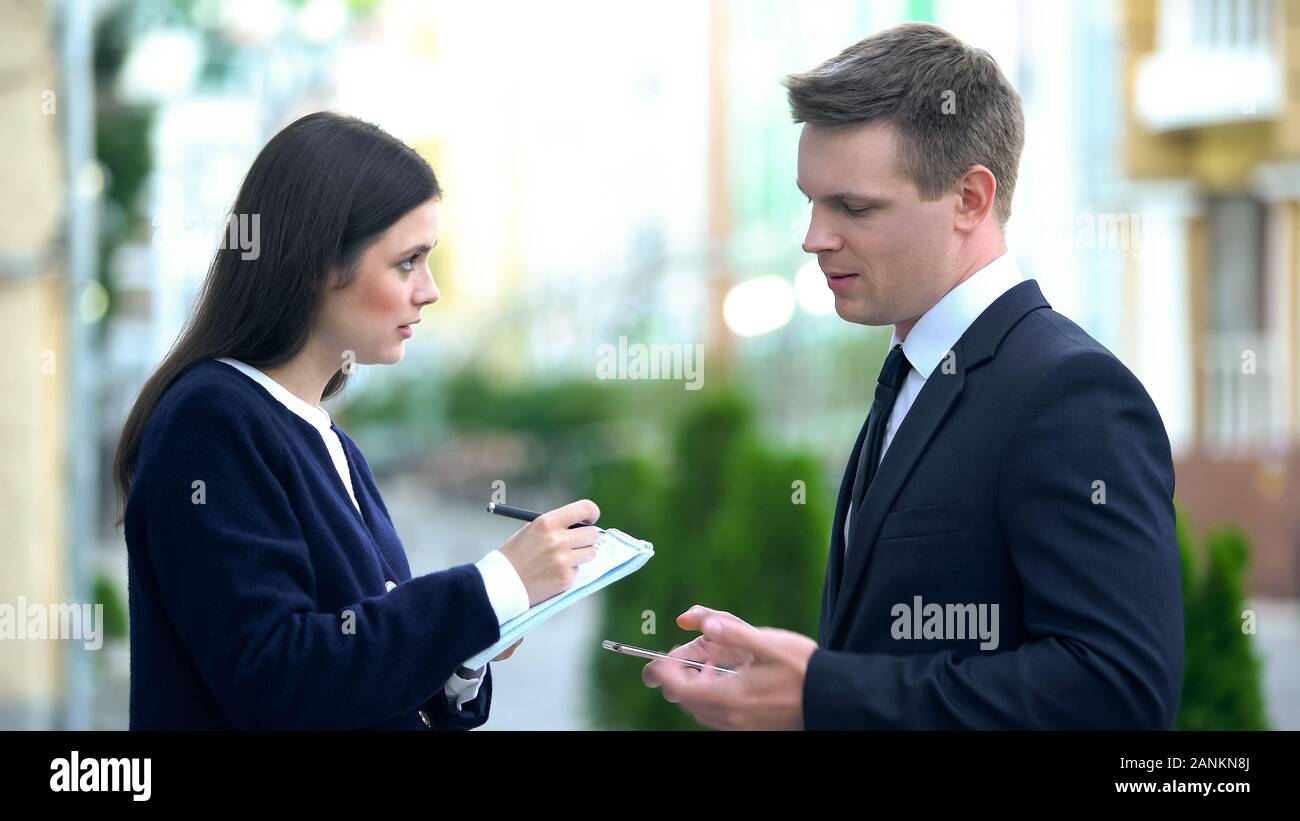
(508, 652)
(581, 511)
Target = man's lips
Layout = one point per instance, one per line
(839, 280)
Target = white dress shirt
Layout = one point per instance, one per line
(505, 590)
(935, 334)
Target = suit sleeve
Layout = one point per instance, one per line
(1100, 579)
(237, 582)
(474, 713)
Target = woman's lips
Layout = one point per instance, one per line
(406, 331)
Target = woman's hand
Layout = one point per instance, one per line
(546, 553)
(466, 673)
(509, 651)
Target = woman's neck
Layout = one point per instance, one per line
(306, 375)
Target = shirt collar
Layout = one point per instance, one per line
(318, 417)
(939, 328)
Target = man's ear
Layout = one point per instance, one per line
(976, 190)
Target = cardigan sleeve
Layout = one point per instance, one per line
(237, 582)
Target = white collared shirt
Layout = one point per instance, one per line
(315, 415)
(505, 590)
(937, 331)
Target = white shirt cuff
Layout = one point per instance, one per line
(509, 598)
(505, 590)
(459, 690)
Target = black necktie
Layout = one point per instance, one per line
(892, 374)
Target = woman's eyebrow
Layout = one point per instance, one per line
(418, 249)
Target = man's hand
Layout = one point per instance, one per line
(766, 693)
(700, 649)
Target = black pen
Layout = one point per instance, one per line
(527, 515)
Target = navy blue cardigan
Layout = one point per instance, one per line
(258, 593)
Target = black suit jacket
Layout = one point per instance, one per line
(988, 495)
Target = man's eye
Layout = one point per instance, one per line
(857, 212)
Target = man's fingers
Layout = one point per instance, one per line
(649, 672)
(693, 618)
(649, 676)
(668, 676)
(689, 650)
(675, 681)
(734, 634)
(697, 693)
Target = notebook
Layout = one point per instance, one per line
(617, 555)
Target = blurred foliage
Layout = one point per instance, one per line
(122, 148)
(693, 473)
(556, 409)
(1222, 687)
(728, 534)
(106, 592)
(570, 424)
(123, 131)
(688, 470)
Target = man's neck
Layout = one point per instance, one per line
(968, 270)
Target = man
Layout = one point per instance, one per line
(1003, 553)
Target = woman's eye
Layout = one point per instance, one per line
(409, 264)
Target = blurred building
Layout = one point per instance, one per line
(1212, 325)
(37, 481)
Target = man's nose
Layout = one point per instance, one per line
(819, 239)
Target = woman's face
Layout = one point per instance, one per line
(373, 316)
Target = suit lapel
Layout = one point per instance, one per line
(932, 406)
(835, 558)
(923, 419)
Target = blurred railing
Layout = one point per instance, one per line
(1240, 393)
(1215, 61)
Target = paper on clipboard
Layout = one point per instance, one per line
(617, 556)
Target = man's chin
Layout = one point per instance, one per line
(855, 311)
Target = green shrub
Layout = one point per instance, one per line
(105, 592)
(728, 534)
(1221, 674)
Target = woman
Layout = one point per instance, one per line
(268, 588)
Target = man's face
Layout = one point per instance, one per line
(887, 255)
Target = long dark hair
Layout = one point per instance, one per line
(322, 190)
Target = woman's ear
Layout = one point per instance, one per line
(343, 275)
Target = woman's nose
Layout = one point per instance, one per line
(428, 292)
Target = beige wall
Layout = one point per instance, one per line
(33, 475)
